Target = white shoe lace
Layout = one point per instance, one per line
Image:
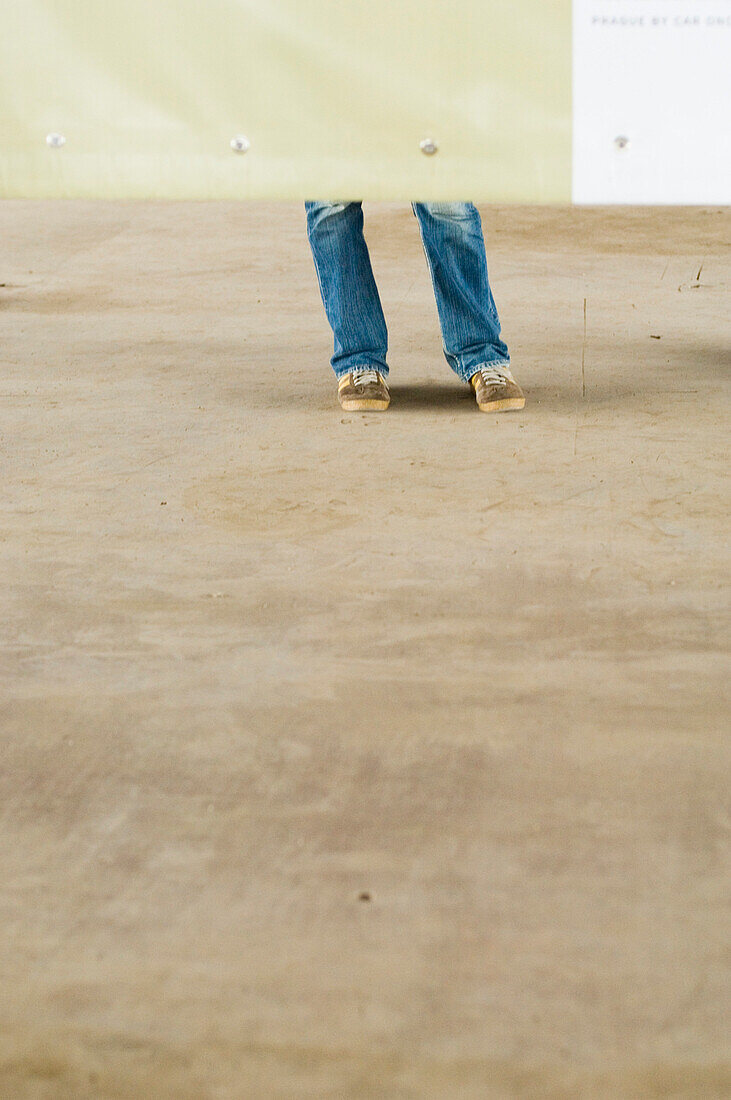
(364, 376)
(494, 376)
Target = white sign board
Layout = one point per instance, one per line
(652, 101)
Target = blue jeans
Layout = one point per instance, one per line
(451, 235)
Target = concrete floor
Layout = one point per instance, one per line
(361, 756)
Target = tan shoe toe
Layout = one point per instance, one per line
(363, 391)
(496, 390)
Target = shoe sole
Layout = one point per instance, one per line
(503, 405)
(364, 404)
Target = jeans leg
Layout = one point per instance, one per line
(451, 233)
(347, 286)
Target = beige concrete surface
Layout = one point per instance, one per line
(361, 756)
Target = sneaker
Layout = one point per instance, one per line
(363, 390)
(496, 390)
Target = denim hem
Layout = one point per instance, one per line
(478, 366)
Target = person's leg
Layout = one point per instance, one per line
(347, 286)
(451, 233)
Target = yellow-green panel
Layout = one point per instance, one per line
(335, 98)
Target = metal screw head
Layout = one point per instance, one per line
(621, 142)
(55, 140)
(428, 147)
(240, 144)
